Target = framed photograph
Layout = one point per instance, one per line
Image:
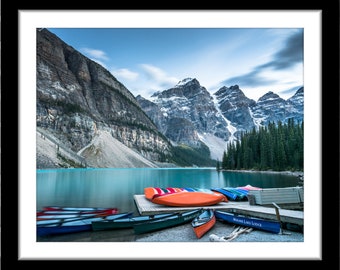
(262, 25)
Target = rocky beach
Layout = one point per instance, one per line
(182, 233)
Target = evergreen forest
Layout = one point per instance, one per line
(277, 147)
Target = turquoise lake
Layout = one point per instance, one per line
(116, 187)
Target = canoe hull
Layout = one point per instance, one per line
(50, 211)
(45, 230)
(62, 226)
(203, 223)
(231, 196)
(189, 199)
(174, 220)
(79, 209)
(124, 223)
(256, 223)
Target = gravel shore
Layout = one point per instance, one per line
(182, 233)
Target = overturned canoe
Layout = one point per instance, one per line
(230, 195)
(189, 199)
(183, 197)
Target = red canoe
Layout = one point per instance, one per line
(204, 222)
(50, 212)
(188, 199)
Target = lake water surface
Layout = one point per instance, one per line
(116, 187)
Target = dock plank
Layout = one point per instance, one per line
(146, 207)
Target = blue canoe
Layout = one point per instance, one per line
(240, 195)
(72, 225)
(230, 195)
(256, 223)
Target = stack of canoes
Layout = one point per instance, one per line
(51, 212)
(236, 194)
(53, 220)
(55, 226)
(183, 197)
(56, 221)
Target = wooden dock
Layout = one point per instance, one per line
(146, 207)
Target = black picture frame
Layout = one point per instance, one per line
(330, 51)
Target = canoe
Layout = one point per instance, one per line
(240, 196)
(56, 210)
(203, 222)
(183, 197)
(167, 222)
(189, 199)
(256, 223)
(83, 209)
(249, 187)
(128, 222)
(72, 225)
(230, 195)
(53, 214)
(151, 192)
(69, 216)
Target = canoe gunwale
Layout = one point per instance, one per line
(163, 223)
(203, 222)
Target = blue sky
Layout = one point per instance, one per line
(147, 60)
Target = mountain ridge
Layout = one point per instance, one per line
(196, 116)
(97, 122)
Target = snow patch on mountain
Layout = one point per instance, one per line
(183, 82)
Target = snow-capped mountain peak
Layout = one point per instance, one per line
(184, 82)
(189, 114)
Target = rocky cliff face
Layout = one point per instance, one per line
(189, 114)
(234, 106)
(186, 112)
(77, 98)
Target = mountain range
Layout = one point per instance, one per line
(87, 118)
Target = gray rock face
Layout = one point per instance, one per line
(76, 97)
(186, 112)
(234, 106)
(271, 108)
(246, 114)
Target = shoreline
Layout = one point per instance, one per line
(294, 173)
(182, 233)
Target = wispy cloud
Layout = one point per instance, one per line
(287, 57)
(125, 73)
(158, 77)
(253, 78)
(96, 54)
